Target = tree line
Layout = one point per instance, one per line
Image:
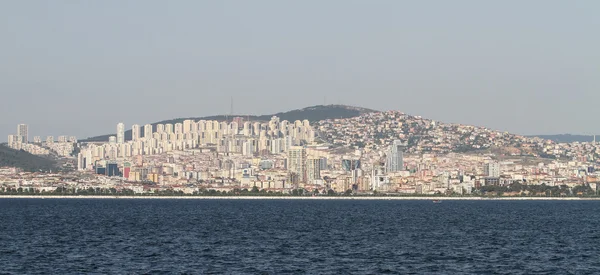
(539, 190)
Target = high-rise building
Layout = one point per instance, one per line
(120, 133)
(178, 128)
(112, 170)
(239, 120)
(12, 139)
(169, 128)
(394, 159)
(23, 132)
(136, 133)
(147, 131)
(81, 161)
(187, 125)
(492, 169)
(160, 128)
(296, 162)
(323, 163)
(350, 164)
(126, 169)
(313, 169)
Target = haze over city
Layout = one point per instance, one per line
(319, 137)
(78, 68)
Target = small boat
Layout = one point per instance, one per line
(437, 201)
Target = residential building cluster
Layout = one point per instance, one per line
(229, 138)
(387, 152)
(378, 129)
(63, 146)
(374, 130)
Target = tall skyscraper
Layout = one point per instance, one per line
(394, 159)
(23, 132)
(297, 162)
(120, 133)
(147, 131)
(313, 169)
(136, 133)
(492, 169)
(350, 164)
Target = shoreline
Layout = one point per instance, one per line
(295, 198)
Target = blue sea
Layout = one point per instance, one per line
(125, 236)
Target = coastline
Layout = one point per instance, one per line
(297, 198)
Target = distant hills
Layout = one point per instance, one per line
(24, 160)
(567, 138)
(312, 114)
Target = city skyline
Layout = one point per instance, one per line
(271, 136)
(389, 152)
(459, 62)
(282, 156)
(141, 129)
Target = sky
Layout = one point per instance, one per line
(80, 67)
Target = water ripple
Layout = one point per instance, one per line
(75, 236)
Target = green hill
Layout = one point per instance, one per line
(26, 161)
(312, 114)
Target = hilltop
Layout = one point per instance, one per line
(567, 138)
(353, 127)
(24, 160)
(420, 135)
(312, 114)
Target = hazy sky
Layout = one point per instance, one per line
(79, 67)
